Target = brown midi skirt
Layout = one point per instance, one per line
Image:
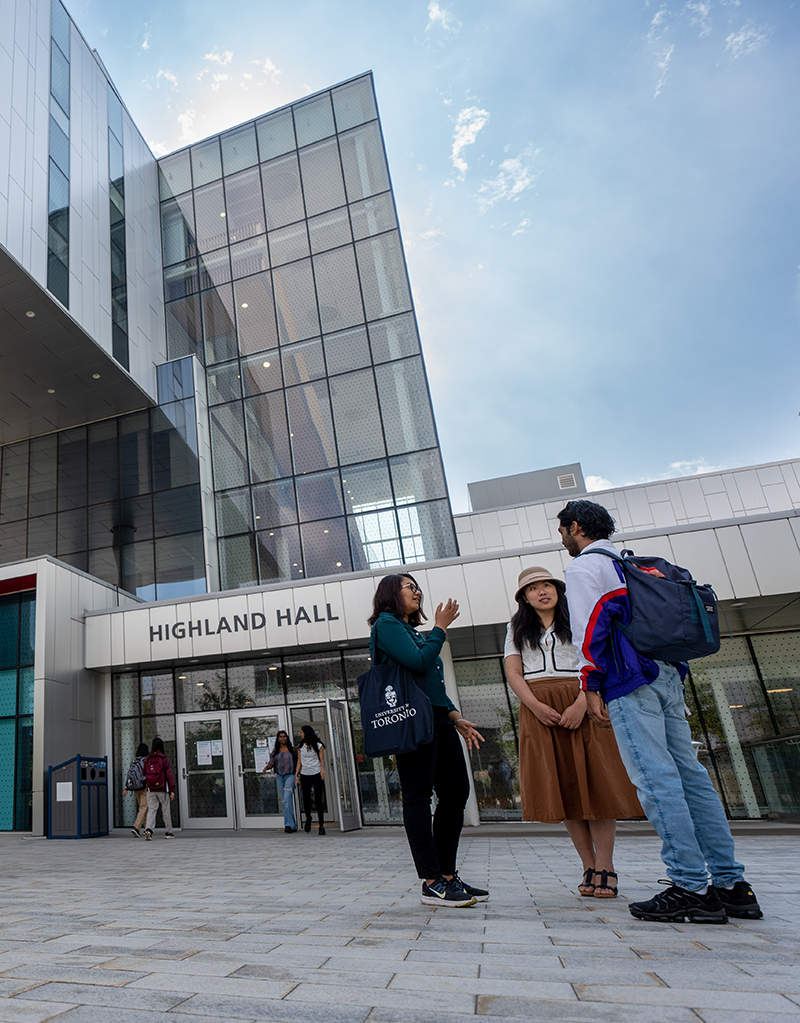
(570, 775)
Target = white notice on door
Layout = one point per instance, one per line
(261, 756)
(203, 752)
(216, 747)
(63, 791)
(261, 742)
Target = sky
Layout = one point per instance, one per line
(598, 199)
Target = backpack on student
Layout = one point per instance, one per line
(673, 618)
(136, 778)
(155, 772)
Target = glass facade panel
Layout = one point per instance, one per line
(275, 135)
(338, 289)
(206, 162)
(329, 230)
(326, 550)
(17, 613)
(42, 536)
(314, 677)
(356, 416)
(13, 541)
(180, 566)
(321, 171)
(366, 487)
(303, 362)
(778, 658)
(283, 196)
(215, 269)
(373, 216)
(364, 162)
(177, 229)
(228, 446)
(43, 475)
(244, 205)
(262, 372)
(274, 504)
(137, 570)
(311, 427)
(14, 494)
(184, 329)
(347, 350)
(175, 174)
(71, 532)
(279, 554)
(237, 562)
(375, 538)
(234, 514)
(239, 149)
(426, 531)
(296, 302)
(319, 496)
(354, 103)
(224, 383)
(219, 325)
(405, 406)
(256, 314)
(249, 257)
(134, 454)
(210, 216)
(383, 276)
(313, 119)
(181, 280)
(288, 243)
(268, 437)
(418, 477)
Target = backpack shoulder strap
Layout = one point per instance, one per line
(609, 554)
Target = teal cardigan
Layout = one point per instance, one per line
(395, 640)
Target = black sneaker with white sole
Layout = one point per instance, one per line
(479, 894)
(740, 901)
(676, 904)
(443, 893)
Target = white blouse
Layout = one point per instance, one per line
(550, 659)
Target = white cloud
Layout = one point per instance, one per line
(478, 268)
(468, 123)
(146, 43)
(159, 148)
(431, 233)
(508, 185)
(186, 121)
(658, 26)
(442, 17)
(268, 68)
(169, 76)
(523, 226)
(220, 58)
(691, 467)
(747, 40)
(219, 79)
(662, 66)
(700, 15)
(595, 483)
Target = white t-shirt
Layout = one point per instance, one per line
(550, 659)
(309, 760)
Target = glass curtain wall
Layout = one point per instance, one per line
(58, 168)
(116, 190)
(284, 273)
(17, 623)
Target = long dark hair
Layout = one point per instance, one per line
(526, 625)
(389, 598)
(308, 737)
(277, 747)
(157, 745)
(142, 750)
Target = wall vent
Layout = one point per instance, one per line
(567, 482)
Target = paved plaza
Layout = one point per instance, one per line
(299, 928)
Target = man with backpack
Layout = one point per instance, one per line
(642, 699)
(135, 782)
(160, 788)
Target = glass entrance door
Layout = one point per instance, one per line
(204, 776)
(253, 735)
(341, 756)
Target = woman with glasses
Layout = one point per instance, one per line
(438, 766)
(284, 759)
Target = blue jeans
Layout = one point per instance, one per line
(675, 791)
(286, 792)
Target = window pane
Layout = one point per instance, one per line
(175, 174)
(42, 536)
(354, 103)
(418, 477)
(267, 436)
(729, 693)
(329, 230)
(59, 147)
(262, 373)
(26, 684)
(71, 534)
(228, 446)
(427, 532)
(184, 332)
(60, 26)
(43, 475)
(249, 257)
(209, 207)
(219, 325)
(181, 280)
(283, 197)
(288, 243)
(134, 454)
(405, 406)
(175, 380)
(274, 504)
(323, 186)
(103, 465)
(177, 229)
(347, 350)
(13, 541)
(311, 427)
(180, 566)
(319, 496)
(215, 269)
(233, 512)
(326, 550)
(103, 525)
(14, 502)
(313, 119)
(778, 657)
(256, 314)
(206, 163)
(135, 519)
(254, 685)
(338, 289)
(296, 302)
(313, 677)
(104, 563)
(59, 78)
(275, 135)
(375, 539)
(364, 162)
(174, 440)
(356, 416)
(279, 554)
(245, 207)
(366, 487)
(373, 216)
(383, 276)
(158, 695)
(177, 511)
(239, 149)
(71, 468)
(237, 562)
(224, 383)
(303, 362)
(137, 569)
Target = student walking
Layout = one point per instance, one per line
(643, 701)
(310, 773)
(284, 760)
(135, 783)
(160, 788)
(569, 769)
(435, 767)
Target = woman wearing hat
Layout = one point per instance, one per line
(570, 770)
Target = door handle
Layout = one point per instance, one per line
(183, 769)
(240, 769)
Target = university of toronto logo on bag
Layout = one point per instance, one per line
(391, 696)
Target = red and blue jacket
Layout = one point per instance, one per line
(597, 594)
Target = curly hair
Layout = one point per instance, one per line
(527, 627)
(389, 598)
(592, 518)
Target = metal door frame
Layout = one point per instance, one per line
(191, 823)
(237, 775)
(352, 820)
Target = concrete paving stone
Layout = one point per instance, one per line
(611, 973)
(418, 967)
(21, 1010)
(487, 986)
(258, 1009)
(691, 997)
(100, 1014)
(73, 974)
(300, 974)
(745, 1016)
(133, 967)
(722, 976)
(430, 998)
(238, 986)
(102, 994)
(739, 957)
(579, 1012)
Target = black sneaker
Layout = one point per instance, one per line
(479, 894)
(322, 829)
(307, 827)
(442, 893)
(135, 833)
(740, 901)
(676, 904)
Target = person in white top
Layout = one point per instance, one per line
(569, 769)
(310, 772)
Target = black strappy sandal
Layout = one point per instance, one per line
(604, 876)
(587, 882)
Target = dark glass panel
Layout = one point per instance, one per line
(180, 566)
(60, 26)
(313, 119)
(174, 437)
(354, 103)
(283, 197)
(25, 692)
(356, 417)
(42, 536)
(338, 289)
(27, 627)
(394, 339)
(181, 280)
(326, 550)
(13, 541)
(177, 511)
(234, 514)
(209, 212)
(104, 564)
(405, 406)
(175, 380)
(103, 462)
(383, 276)
(373, 216)
(158, 696)
(364, 162)
(303, 362)
(58, 279)
(184, 332)
(59, 78)
(237, 562)
(778, 657)
(134, 454)
(219, 325)
(224, 383)
(71, 536)
(427, 532)
(71, 468)
(104, 525)
(177, 230)
(9, 636)
(254, 685)
(319, 496)
(329, 230)
(239, 149)
(215, 269)
(275, 135)
(262, 372)
(366, 487)
(175, 174)
(43, 475)
(78, 560)
(347, 350)
(23, 786)
(288, 243)
(136, 519)
(249, 257)
(116, 162)
(313, 677)
(14, 491)
(321, 171)
(267, 436)
(311, 427)
(58, 202)
(137, 569)
(59, 147)
(375, 539)
(228, 446)
(274, 504)
(244, 205)
(206, 162)
(418, 477)
(256, 314)
(279, 554)
(296, 302)
(201, 688)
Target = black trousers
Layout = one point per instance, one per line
(439, 767)
(306, 781)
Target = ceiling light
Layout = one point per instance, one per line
(222, 214)
(30, 314)
(181, 676)
(258, 516)
(199, 683)
(324, 530)
(244, 305)
(95, 376)
(266, 365)
(51, 390)
(789, 690)
(736, 706)
(338, 564)
(740, 603)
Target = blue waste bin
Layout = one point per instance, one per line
(78, 798)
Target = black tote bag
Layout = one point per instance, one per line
(396, 716)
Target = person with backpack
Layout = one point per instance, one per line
(160, 788)
(135, 782)
(642, 699)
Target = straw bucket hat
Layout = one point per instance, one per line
(537, 574)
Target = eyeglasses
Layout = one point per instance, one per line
(411, 586)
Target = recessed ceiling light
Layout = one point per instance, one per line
(267, 365)
(95, 376)
(338, 564)
(222, 214)
(199, 683)
(324, 530)
(30, 314)
(740, 603)
(244, 305)
(51, 390)
(181, 676)
(258, 516)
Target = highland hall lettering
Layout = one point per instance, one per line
(239, 623)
